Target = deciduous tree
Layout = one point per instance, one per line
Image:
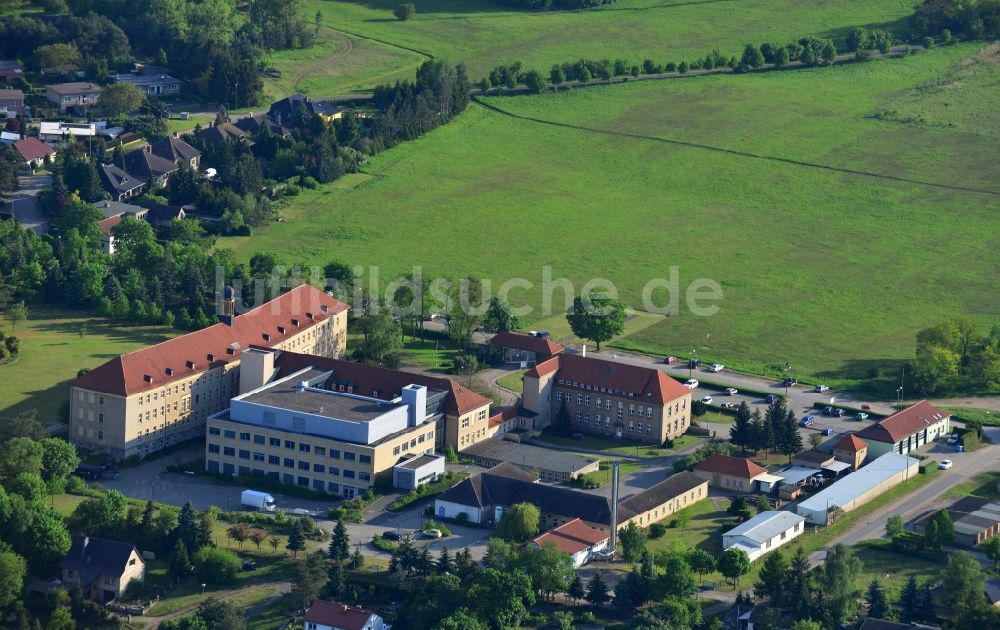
(596, 318)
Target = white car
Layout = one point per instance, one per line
(691, 383)
(822, 388)
(707, 400)
(732, 391)
(944, 464)
(432, 533)
(953, 439)
(716, 367)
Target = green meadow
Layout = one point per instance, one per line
(830, 270)
(483, 34)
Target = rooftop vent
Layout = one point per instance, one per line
(301, 385)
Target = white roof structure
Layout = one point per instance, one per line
(851, 491)
(62, 129)
(794, 475)
(837, 467)
(766, 525)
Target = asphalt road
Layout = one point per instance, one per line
(23, 202)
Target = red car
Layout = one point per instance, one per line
(670, 360)
(866, 407)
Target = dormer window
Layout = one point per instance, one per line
(169, 371)
(324, 308)
(281, 330)
(189, 364)
(309, 314)
(295, 323)
(211, 357)
(266, 336)
(147, 378)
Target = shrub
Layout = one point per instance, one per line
(698, 408)
(657, 530)
(465, 364)
(292, 190)
(216, 566)
(404, 11)
(308, 182)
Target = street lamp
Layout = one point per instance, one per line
(691, 363)
(203, 588)
(788, 367)
(899, 398)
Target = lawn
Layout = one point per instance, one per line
(893, 569)
(610, 446)
(513, 381)
(983, 486)
(797, 250)
(483, 34)
(55, 344)
(175, 125)
(986, 416)
(701, 532)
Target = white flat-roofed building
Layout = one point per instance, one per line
(416, 470)
(860, 487)
(765, 532)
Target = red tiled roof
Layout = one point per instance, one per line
(519, 341)
(337, 615)
(644, 383)
(573, 537)
(545, 367)
(503, 416)
(732, 466)
(379, 382)
(218, 344)
(11, 95)
(33, 149)
(904, 423)
(850, 442)
(107, 225)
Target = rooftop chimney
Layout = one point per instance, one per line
(614, 507)
(415, 399)
(227, 309)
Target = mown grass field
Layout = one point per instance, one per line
(483, 34)
(55, 344)
(830, 271)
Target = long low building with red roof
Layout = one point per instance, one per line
(577, 539)
(726, 472)
(906, 430)
(608, 398)
(142, 401)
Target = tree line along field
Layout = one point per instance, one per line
(483, 34)
(830, 271)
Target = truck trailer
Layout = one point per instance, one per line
(257, 500)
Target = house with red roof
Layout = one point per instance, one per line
(607, 398)
(577, 539)
(526, 350)
(726, 472)
(324, 615)
(907, 430)
(34, 152)
(851, 449)
(142, 401)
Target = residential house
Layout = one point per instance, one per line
(148, 399)
(107, 226)
(117, 209)
(608, 398)
(252, 124)
(730, 473)
(73, 98)
(10, 71)
(33, 152)
(991, 594)
(285, 111)
(324, 615)
(104, 568)
(483, 497)
(575, 538)
(152, 84)
(174, 149)
(764, 532)
(526, 350)
(145, 165)
(852, 450)
(162, 215)
(12, 101)
(975, 519)
(119, 184)
(907, 430)
(58, 132)
(299, 430)
(218, 134)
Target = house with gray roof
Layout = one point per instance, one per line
(119, 184)
(765, 532)
(104, 568)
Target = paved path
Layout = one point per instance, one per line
(151, 623)
(24, 202)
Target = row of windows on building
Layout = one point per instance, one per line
(287, 462)
(606, 420)
(413, 443)
(291, 445)
(480, 416)
(320, 485)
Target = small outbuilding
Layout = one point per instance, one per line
(765, 532)
(577, 539)
(416, 470)
(526, 350)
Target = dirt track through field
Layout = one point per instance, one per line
(745, 154)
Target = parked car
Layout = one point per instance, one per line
(249, 565)
(670, 360)
(729, 405)
(808, 421)
(791, 380)
(953, 439)
(866, 407)
(392, 535)
(862, 415)
(822, 388)
(716, 367)
(432, 533)
(693, 363)
(732, 391)
(944, 464)
(827, 432)
(771, 398)
(707, 400)
(691, 383)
